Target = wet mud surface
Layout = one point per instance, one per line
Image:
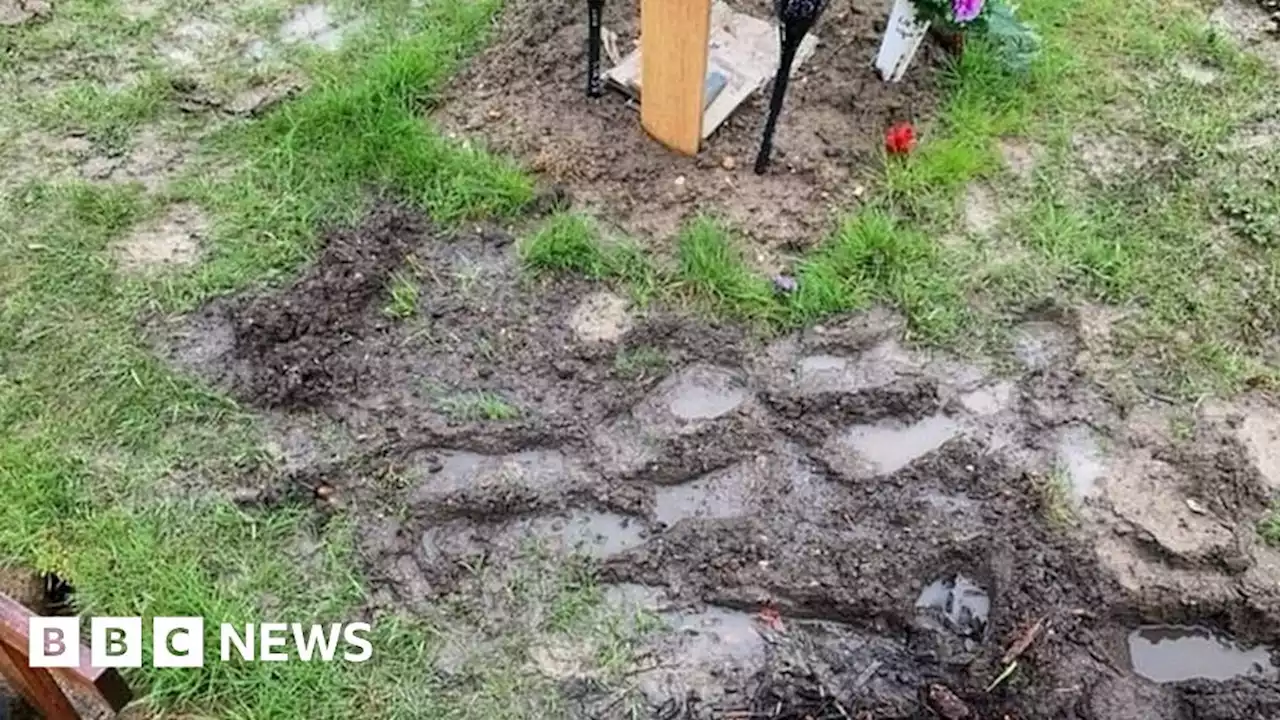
(829, 523)
(524, 96)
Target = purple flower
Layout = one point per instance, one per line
(784, 283)
(966, 10)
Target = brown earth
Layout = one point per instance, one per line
(833, 476)
(524, 96)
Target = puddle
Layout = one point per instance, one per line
(961, 604)
(822, 364)
(989, 400)
(876, 367)
(598, 535)
(1080, 455)
(883, 450)
(1172, 653)
(1037, 345)
(313, 24)
(722, 495)
(704, 394)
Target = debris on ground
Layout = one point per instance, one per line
(19, 12)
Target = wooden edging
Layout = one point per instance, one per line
(37, 684)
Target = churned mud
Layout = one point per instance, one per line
(525, 96)
(829, 524)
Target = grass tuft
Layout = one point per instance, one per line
(568, 242)
(404, 297)
(640, 363)
(478, 405)
(711, 269)
(1269, 528)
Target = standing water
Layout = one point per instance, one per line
(1171, 653)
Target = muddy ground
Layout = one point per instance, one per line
(831, 524)
(524, 96)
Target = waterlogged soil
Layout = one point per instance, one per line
(525, 96)
(829, 523)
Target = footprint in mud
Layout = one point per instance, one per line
(959, 603)
(864, 452)
(699, 420)
(1173, 653)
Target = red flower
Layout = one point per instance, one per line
(900, 139)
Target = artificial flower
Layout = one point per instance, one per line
(900, 139)
(966, 10)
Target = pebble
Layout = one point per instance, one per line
(729, 163)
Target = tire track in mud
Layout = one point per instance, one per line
(832, 475)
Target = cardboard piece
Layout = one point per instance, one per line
(902, 37)
(744, 49)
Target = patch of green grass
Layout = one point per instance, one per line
(1056, 502)
(1269, 528)
(568, 242)
(478, 405)
(108, 117)
(876, 258)
(640, 363)
(404, 297)
(711, 269)
(315, 159)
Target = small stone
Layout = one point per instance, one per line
(859, 191)
(1195, 507)
(324, 492)
(495, 114)
(246, 496)
(680, 181)
(729, 163)
(785, 283)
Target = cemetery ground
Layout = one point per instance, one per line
(323, 312)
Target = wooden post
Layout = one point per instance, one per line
(674, 37)
(37, 685)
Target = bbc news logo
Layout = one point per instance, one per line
(117, 642)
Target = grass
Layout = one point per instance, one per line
(640, 363)
(114, 470)
(404, 297)
(1269, 528)
(478, 405)
(1056, 501)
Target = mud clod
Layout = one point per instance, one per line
(291, 344)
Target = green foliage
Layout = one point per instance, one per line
(1015, 43)
(711, 269)
(478, 405)
(1269, 528)
(567, 243)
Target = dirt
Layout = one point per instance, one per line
(20, 12)
(173, 239)
(315, 25)
(524, 96)
(827, 522)
(1020, 157)
(1250, 26)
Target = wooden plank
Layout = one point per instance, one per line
(675, 36)
(36, 685)
(106, 683)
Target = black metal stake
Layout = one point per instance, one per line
(797, 18)
(595, 11)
